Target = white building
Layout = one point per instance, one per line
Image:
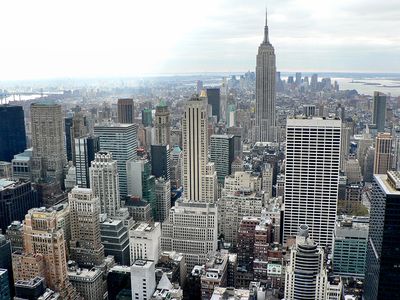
(242, 180)
(143, 279)
(312, 176)
(134, 170)
(144, 240)
(121, 141)
(163, 198)
(104, 182)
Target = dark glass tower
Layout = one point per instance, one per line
(214, 99)
(12, 131)
(160, 161)
(383, 254)
(379, 114)
(85, 149)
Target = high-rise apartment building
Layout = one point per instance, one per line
(85, 149)
(312, 176)
(49, 156)
(126, 113)
(42, 236)
(222, 154)
(121, 141)
(382, 274)
(163, 199)
(383, 153)
(16, 198)
(306, 274)
(85, 244)
(12, 131)
(214, 99)
(265, 90)
(104, 182)
(379, 112)
(162, 124)
(199, 176)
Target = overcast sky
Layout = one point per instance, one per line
(84, 38)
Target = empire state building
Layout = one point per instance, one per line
(265, 91)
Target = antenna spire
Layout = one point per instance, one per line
(266, 38)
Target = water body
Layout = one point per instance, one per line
(367, 86)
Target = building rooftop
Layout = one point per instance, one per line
(223, 293)
(388, 186)
(5, 183)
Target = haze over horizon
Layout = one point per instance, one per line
(122, 39)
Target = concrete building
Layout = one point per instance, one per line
(173, 265)
(383, 153)
(350, 247)
(49, 157)
(215, 274)
(87, 282)
(139, 209)
(15, 234)
(382, 273)
(222, 155)
(199, 176)
(265, 91)
(115, 238)
(121, 141)
(162, 124)
(104, 182)
(166, 290)
(312, 177)
(306, 274)
(176, 167)
(163, 199)
(143, 280)
(85, 244)
(230, 293)
(5, 170)
(21, 165)
(85, 149)
(16, 198)
(379, 112)
(126, 111)
(30, 289)
(144, 240)
(75, 127)
(192, 230)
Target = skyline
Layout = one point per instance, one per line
(119, 41)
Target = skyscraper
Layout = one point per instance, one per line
(199, 176)
(160, 161)
(12, 131)
(163, 199)
(126, 113)
(383, 274)
(383, 153)
(214, 99)
(222, 154)
(104, 182)
(75, 127)
(85, 149)
(85, 243)
(162, 125)
(265, 90)
(121, 141)
(379, 113)
(312, 176)
(49, 156)
(5, 260)
(147, 117)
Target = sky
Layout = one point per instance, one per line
(45, 39)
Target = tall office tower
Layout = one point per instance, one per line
(162, 124)
(85, 243)
(160, 161)
(192, 230)
(222, 154)
(85, 149)
(231, 116)
(104, 182)
(176, 167)
(379, 113)
(265, 91)
(75, 127)
(312, 176)
(298, 78)
(12, 131)
(5, 291)
(144, 240)
(147, 117)
(121, 141)
(5, 260)
(214, 99)
(350, 247)
(199, 176)
(314, 82)
(16, 198)
(126, 112)
(383, 153)
(48, 142)
(42, 236)
(306, 274)
(344, 146)
(199, 86)
(143, 279)
(224, 99)
(163, 199)
(383, 274)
